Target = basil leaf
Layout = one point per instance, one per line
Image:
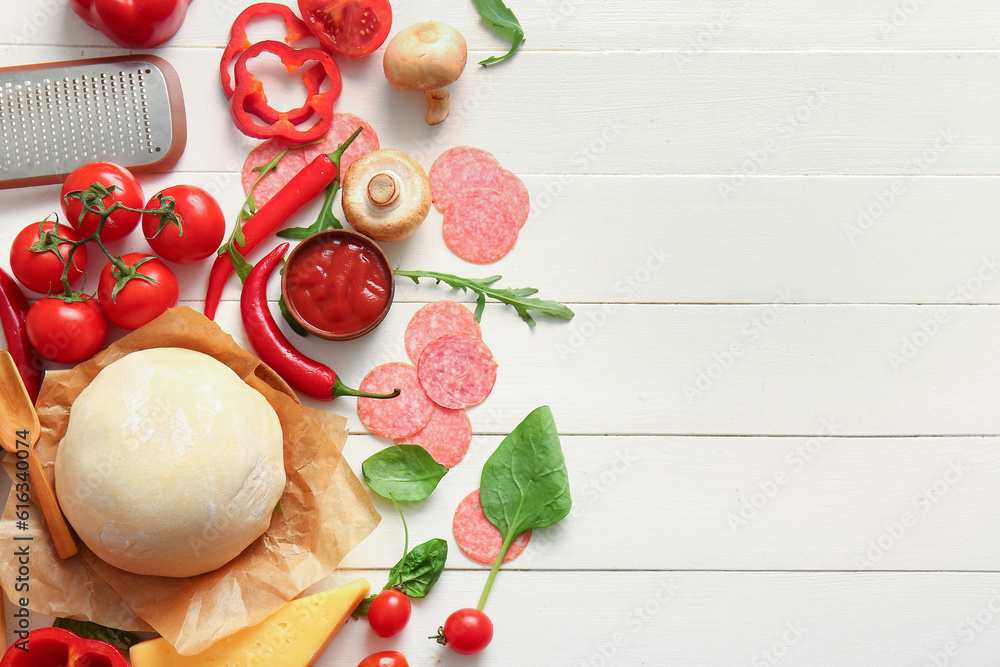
(403, 472)
(524, 483)
(121, 639)
(420, 569)
(500, 16)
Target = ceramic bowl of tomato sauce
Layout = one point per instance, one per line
(337, 284)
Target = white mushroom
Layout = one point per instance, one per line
(427, 56)
(386, 195)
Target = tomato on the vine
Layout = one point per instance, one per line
(468, 631)
(202, 230)
(66, 332)
(42, 271)
(148, 293)
(351, 28)
(389, 612)
(127, 191)
(385, 659)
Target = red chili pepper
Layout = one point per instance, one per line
(249, 98)
(307, 375)
(299, 191)
(13, 310)
(134, 24)
(56, 647)
(239, 42)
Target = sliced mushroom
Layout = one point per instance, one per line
(427, 56)
(386, 195)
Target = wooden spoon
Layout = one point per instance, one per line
(17, 416)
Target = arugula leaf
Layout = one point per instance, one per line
(420, 569)
(402, 472)
(499, 15)
(121, 639)
(518, 298)
(524, 484)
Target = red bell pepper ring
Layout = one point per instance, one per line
(134, 24)
(239, 42)
(249, 98)
(13, 311)
(56, 647)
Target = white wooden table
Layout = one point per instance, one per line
(778, 223)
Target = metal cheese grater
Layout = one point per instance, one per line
(57, 116)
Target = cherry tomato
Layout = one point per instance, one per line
(389, 612)
(385, 659)
(127, 191)
(203, 225)
(351, 28)
(66, 333)
(139, 301)
(468, 631)
(42, 271)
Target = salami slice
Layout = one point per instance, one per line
(457, 371)
(446, 437)
(343, 126)
(462, 168)
(514, 189)
(394, 417)
(479, 539)
(437, 319)
(480, 226)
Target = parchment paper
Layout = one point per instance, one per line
(326, 513)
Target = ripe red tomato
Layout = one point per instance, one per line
(389, 613)
(140, 300)
(127, 191)
(203, 225)
(385, 659)
(66, 333)
(351, 28)
(42, 271)
(468, 631)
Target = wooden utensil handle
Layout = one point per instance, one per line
(58, 528)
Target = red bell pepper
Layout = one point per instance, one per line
(249, 98)
(239, 42)
(134, 24)
(55, 647)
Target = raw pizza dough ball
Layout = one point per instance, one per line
(171, 464)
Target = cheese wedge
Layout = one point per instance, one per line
(294, 636)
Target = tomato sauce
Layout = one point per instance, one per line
(339, 285)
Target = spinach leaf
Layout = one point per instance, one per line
(524, 483)
(498, 14)
(402, 472)
(121, 639)
(420, 569)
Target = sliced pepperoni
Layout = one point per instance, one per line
(457, 371)
(446, 437)
(516, 192)
(479, 539)
(480, 226)
(437, 319)
(343, 126)
(394, 417)
(461, 168)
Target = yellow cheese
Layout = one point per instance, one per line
(294, 636)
